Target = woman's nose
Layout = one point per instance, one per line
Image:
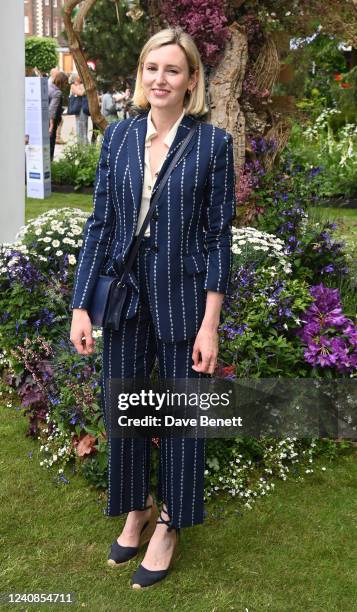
(160, 77)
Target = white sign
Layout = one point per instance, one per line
(38, 162)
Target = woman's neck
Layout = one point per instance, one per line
(164, 119)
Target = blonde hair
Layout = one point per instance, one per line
(194, 103)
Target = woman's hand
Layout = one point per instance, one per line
(81, 332)
(205, 350)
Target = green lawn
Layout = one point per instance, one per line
(36, 207)
(346, 218)
(294, 551)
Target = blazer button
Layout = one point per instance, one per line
(155, 215)
(155, 248)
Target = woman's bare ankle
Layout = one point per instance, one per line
(133, 524)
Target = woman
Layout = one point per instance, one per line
(122, 100)
(176, 289)
(77, 89)
(55, 101)
(108, 106)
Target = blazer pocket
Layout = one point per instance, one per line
(195, 263)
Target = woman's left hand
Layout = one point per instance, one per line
(205, 351)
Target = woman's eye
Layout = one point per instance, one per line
(170, 69)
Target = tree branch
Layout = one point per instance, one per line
(81, 15)
(74, 42)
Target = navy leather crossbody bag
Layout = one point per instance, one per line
(109, 293)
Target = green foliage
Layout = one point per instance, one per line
(317, 145)
(95, 467)
(315, 64)
(25, 310)
(114, 46)
(77, 167)
(41, 53)
(243, 466)
(36, 274)
(258, 333)
(346, 99)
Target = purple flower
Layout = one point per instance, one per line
(232, 332)
(314, 171)
(328, 268)
(331, 337)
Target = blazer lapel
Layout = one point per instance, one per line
(182, 131)
(136, 156)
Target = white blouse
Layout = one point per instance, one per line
(149, 179)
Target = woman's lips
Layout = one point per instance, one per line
(160, 92)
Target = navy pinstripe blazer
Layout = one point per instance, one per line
(190, 229)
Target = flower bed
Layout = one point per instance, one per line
(279, 322)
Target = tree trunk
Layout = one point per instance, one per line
(225, 88)
(74, 42)
(156, 21)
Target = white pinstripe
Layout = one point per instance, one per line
(108, 413)
(155, 283)
(222, 219)
(169, 256)
(181, 246)
(143, 474)
(136, 341)
(196, 180)
(132, 474)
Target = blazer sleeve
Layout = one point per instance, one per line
(97, 230)
(220, 211)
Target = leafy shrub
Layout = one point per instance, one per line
(36, 274)
(334, 153)
(78, 165)
(41, 53)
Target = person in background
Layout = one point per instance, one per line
(53, 72)
(77, 89)
(127, 103)
(108, 106)
(122, 98)
(55, 101)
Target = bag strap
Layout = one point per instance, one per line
(154, 199)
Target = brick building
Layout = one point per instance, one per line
(44, 18)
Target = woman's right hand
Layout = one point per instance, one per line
(81, 332)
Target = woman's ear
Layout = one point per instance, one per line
(194, 79)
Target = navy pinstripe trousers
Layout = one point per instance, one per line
(131, 352)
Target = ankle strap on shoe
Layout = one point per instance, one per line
(145, 507)
(167, 522)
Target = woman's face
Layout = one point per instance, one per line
(166, 78)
